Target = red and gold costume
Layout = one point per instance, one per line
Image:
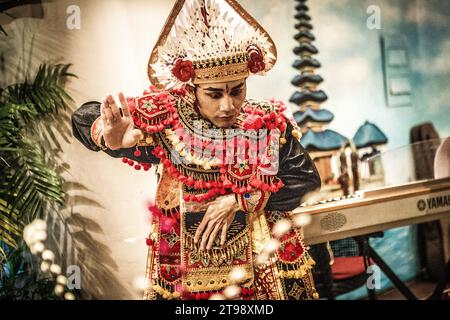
(199, 162)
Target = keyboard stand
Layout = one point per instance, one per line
(371, 255)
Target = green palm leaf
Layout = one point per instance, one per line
(29, 184)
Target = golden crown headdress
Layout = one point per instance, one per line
(205, 41)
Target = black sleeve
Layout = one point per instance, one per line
(298, 173)
(82, 120)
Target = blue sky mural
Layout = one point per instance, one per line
(351, 58)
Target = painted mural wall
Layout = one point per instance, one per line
(352, 66)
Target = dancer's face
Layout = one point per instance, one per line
(221, 102)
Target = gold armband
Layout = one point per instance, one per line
(252, 202)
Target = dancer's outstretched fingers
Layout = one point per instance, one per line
(206, 234)
(124, 105)
(114, 108)
(223, 236)
(105, 109)
(212, 236)
(200, 228)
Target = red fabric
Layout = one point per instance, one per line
(348, 267)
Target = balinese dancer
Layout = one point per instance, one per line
(231, 168)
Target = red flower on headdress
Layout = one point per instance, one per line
(183, 70)
(256, 62)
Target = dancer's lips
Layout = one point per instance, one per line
(226, 118)
(226, 121)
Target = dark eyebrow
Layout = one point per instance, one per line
(213, 89)
(221, 90)
(238, 86)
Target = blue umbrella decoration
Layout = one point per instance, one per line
(369, 135)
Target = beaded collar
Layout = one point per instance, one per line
(165, 114)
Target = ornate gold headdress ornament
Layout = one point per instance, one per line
(205, 41)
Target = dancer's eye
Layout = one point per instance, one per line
(215, 96)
